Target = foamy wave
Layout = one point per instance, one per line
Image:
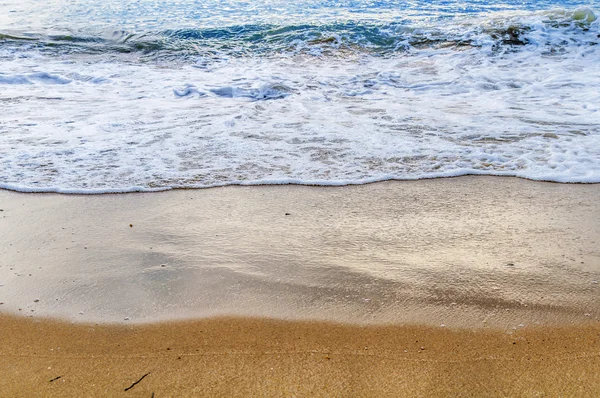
(511, 93)
(439, 115)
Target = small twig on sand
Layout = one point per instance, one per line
(56, 378)
(133, 385)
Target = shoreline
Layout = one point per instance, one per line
(268, 183)
(241, 356)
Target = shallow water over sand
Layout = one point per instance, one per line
(473, 251)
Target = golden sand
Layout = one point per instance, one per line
(256, 357)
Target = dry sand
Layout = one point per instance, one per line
(246, 357)
(510, 267)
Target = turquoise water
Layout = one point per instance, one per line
(259, 28)
(102, 96)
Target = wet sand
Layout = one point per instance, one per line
(288, 290)
(464, 252)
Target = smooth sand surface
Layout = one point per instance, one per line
(464, 252)
(249, 357)
(360, 279)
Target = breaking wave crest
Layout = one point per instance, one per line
(551, 30)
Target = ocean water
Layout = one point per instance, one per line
(140, 95)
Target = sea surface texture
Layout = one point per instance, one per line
(139, 95)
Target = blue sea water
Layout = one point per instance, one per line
(128, 95)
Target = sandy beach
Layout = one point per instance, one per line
(257, 357)
(451, 287)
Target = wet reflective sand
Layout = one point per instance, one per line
(463, 252)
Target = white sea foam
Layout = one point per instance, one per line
(91, 125)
